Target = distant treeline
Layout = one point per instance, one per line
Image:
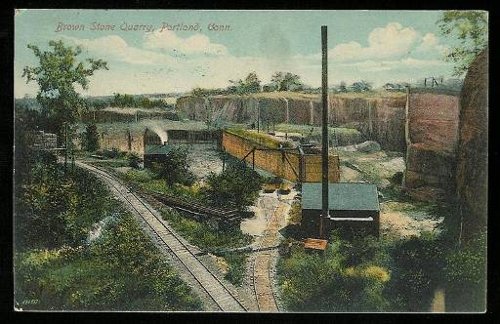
(287, 81)
(97, 103)
(129, 101)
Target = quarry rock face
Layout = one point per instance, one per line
(431, 136)
(472, 152)
(381, 119)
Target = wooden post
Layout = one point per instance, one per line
(407, 132)
(253, 159)
(324, 155)
(258, 118)
(129, 140)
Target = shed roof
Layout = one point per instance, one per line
(342, 196)
(157, 149)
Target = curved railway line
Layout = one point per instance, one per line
(210, 283)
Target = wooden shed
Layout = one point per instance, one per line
(155, 153)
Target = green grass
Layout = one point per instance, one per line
(145, 180)
(89, 279)
(237, 265)
(205, 237)
(121, 270)
(259, 138)
(213, 241)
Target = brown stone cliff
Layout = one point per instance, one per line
(472, 153)
(431, 137)
(377, 118)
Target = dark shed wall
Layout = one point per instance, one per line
(310, 222)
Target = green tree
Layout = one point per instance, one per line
(57, 73)
(286, 81)
(342, 87)
(251, 84)
(123, 100)
(174, 168)
(361, 86)
(90, 138)
(237, 185)
(470, 29)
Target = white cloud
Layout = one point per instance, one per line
(430, 43)
(196, 44)
(390, 41)
(115, 47)
(393, 53)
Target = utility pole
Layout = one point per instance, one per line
(258, 118)
(324, 155)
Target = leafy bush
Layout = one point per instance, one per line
(133, 160)
(114, 153)
(465, 274)
(338, 285)
(354, 275)
(54, 207)
(205, 237)
(174, 168)
(236, 186)
(120, 271)
(90, 138)
(236, 271)
(417, 265)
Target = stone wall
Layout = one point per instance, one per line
(276, 161)
(120, 141)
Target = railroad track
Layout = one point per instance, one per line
(262, 283)
(209, 282)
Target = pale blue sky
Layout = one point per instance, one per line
(377, 46)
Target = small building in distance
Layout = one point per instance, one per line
(156, 153)
(354, 209)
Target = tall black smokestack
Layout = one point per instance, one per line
(324, 140)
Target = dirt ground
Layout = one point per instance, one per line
(267, 204)
(397, 218)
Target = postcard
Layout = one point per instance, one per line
(250, 161)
